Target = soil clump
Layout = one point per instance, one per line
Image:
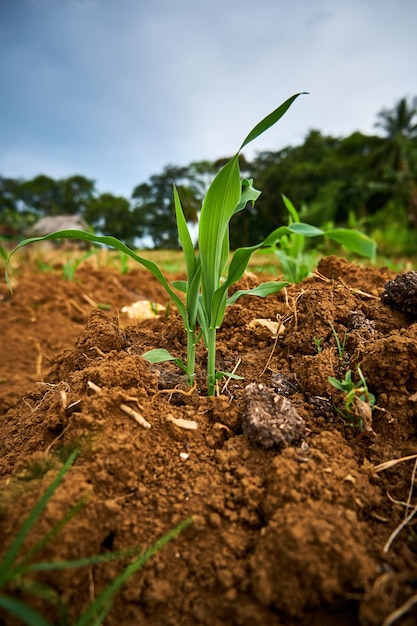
(290, 525)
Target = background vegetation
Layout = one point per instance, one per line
(365, 181)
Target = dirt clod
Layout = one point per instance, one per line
(269, 419)
(401, 293)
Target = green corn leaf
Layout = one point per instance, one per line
(354, 241)
(224, 253)
(249, 194)
(270, 120)
(290, 208)
(193, 295)
(160, 355)
(203, 318)
(181, 285)
(220, 375)
(218, 207)
(276, 235)
(237, 267)
(239, 263)
(24, 612)
(219, 306)
(262, 290)
(184, 236)
(307, 230)
(113, 243)
(294, 269)
(293, 245)
(336, 383)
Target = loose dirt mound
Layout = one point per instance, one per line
(292, 532)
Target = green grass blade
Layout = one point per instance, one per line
(354, 241)
(28, 585)
(106, 597)
(49, 535)
(95, 559)
(270, 120)
(24, 612)
(6, 565)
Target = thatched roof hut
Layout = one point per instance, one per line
(51, 223)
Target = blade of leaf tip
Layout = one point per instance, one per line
(270, 119)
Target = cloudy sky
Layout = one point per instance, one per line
(117, 89)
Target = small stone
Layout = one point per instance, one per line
(269, 419)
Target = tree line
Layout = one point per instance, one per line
(365, 181)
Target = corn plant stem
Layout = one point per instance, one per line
(191, 346)
(211, 361)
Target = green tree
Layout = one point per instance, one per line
(43, 195)
(14, 219)
(112, 215)
(76, 193)
(396, 158)
(153, 201)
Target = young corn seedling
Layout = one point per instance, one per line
(204, 296)
(297, 263)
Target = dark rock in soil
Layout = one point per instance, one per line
(401, 293)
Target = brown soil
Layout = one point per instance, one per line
(285, 531)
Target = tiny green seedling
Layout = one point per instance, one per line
(202, 298)
(70, 267)
(124, 262)
(341, 345)
(318, 343)
(358, 401)
(16, 569)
